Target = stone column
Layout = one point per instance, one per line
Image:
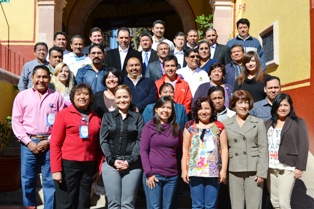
(223, 19)
(49, 19)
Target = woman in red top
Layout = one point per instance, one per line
(75, 150)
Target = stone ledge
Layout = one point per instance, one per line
(9, 77)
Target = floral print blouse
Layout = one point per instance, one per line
(204, 156)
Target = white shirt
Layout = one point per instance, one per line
(156, 42)
(212, 51)
(123, 53)
(179, 56)
(193, 77)
(74, 62)
(274, 139)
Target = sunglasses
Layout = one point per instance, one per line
(194, 56)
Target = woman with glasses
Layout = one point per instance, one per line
(248, 154)
(205, 154)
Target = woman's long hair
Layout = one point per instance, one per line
(57, 85)
(260, 74)
(279, 98)
(175, 128)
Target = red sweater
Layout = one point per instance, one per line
(65, 142)
(182, 92)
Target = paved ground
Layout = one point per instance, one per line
(302, 197)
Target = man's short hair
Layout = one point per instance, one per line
(189, 51)
(159, 22)
(76, 36)
(55, 48)
(42, 67)
(237, 45)
(270, 78)
(94, 29)
(192, 29)
(124, 29)
(146, 34)
(215, 88)
(170, 57)
(99, 46)
(59, 33)
(209, 29)
(243, 21)
(179, 34)
(163, 43)
(40, 44)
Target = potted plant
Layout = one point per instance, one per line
(9, 162)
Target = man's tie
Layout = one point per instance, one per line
(145, 64)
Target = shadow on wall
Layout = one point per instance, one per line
(299, 199)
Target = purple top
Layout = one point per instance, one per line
(159, 151)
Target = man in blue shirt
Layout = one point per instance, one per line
(262, 109)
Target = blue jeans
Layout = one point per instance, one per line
(161, 196)
(31, 164)
(204, 192)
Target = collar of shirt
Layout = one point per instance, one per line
(244, 39)
(175, 51)
(137, 79)
(191, 46)
(156, 40)
(222, 112)
(213, 46)
(123, 50)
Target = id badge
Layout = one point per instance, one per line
(50, 120)
(84, 132)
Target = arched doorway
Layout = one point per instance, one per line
(80, 16)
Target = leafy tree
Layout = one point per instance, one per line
(204, 22)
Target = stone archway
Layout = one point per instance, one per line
(83, 9)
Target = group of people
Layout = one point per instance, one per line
(200, 110)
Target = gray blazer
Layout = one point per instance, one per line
(247, 146)
(154, 71)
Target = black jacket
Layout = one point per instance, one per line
(120, 139)
(294, 145)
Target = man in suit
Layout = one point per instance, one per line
(191, 40)
(179, 41)
(118, 57)
(149, 55)
(155, 70)
(96, 37)
(218, 51)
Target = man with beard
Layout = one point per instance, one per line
(155, 70)
(217, 51)
(143, 89)
(192, 73)
(93, 74)
(76, 59)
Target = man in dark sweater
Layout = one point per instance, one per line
(143, 89)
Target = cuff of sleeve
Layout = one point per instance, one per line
(26, 140)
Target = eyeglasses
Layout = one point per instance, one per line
(194, 56)
(202, 135)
